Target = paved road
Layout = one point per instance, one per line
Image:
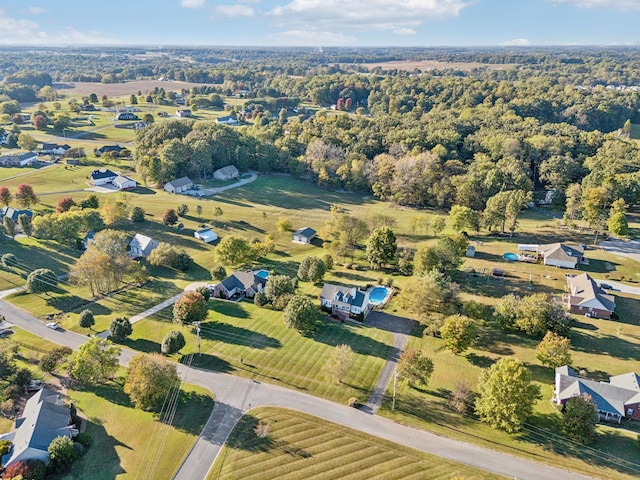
(621, 287)
(629, 249)
(236, 395)
(239, 183)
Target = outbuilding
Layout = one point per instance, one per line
(304, 235)
(206, 235)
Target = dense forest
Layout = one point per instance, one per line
(550, 119)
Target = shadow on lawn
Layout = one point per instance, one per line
(186, 420)
(331, 333)
(615, 346)
(102, 460)
(142, 345)
(206, 361)
(231, 334)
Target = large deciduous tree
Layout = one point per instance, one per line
(414, 367)
(25, 195)
(580, 418)
(120, 329)
(381, 247)
(553, 350)
(339, 363)
(430, 292)
(233, 250)
(506, 395)
(5, 196)
(458, 333)
(41, 280)
(86, 319)
(62, 455)
(463, 218)
(172, 342)
(96, 362)
(149, 380)
(190, 307)
(301, 314)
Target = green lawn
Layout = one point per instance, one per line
(271, 352)
(302, 446)
(130, 443)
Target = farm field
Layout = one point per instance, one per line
(410, 65)
(301, 445)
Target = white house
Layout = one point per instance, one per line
(206, 235)
(227, 120)
(54, 149)
(304, 235)
(179, 185)
(124, 183)
(141, 246)
(103, 176)
(226, 173)
(184, 113)
(344, 302)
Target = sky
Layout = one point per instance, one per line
(422, 23)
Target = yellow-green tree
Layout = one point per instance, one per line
(149, 379)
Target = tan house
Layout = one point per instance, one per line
(585, 297)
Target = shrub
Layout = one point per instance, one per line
(328, 261)
(62, 454)
(41, 280)
(84, 439)
(86, 319)
(137, 215)
(79, 448)
(172, 342)
(170, 217)
(182, 210)
(120, 329)
(281, 302)
(204, 291)
(9, 260)
(260, 299)
(218, 272)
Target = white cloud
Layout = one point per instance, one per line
(307, 38)
(624, 5)
(234, 11)
(36, 10)
(192, 3)
(363, 14)
(517, 42)
(404, 31)
(13, 31)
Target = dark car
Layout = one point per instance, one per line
(606, 286)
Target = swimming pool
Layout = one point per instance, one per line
(377, 295)
(510, 257)
(262, 273)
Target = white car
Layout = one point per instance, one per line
(53, 325)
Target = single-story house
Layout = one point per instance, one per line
(109, 148)
(227, 120)
(124, 183)
(240, 284)
(183, 113)
(344, 302)
(178, 185)
(304, 235)
(141, 246)
(102, 176)
(557, 254)
(206, 235)
(127, 116)
(226, 173)
(19, 159)
(585, 297)
(615, 400)
(43, 419)
(13, 213)
(55, 149)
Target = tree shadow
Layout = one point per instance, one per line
(207, 361)
(189, 402)
(481, 361)
(390, 323)
(102, 459)
(231, 334)
(228, 309)
(604, 344)
(142, 345)
(111, 391)
(333, 334)
(540, 373)
(352, 277)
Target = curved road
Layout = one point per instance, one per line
(236, 395)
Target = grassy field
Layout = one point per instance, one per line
(130, 443)
(254, 342)
(301, 446)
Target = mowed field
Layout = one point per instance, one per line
(411, 65)
(301, 446)
(118, 89)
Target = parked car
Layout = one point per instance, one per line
(33, 385)
(53, 325)
(606, 286)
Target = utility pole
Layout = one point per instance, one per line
(197, 324)
(395, 380)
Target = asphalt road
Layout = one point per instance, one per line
(237, 395)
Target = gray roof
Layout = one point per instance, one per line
(347, 295)
(41, 422)
(306, 232)
(179, 182)
(141, 242)
(243, 281)
(609, 397)
(229, 170)
(19, 156)
(582, 288)
(102, 173)
(560, 251)
(110, 148)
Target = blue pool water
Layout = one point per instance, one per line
(378, 294)
(511, 257)
(262, 273)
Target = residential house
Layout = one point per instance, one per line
(561, 255)
(206, 235)
(304, 235)
(141, 246)
(179, 185)
(617, 399)
(226, 173)
(124, 183)
(227, 120)
(585, 297)
(344, 302)
(102, 176)
(240, 284)
(43, 419)
(117, 149)
(13, 213)
(183, 113)
(19, 159)
(54, 149)
(127, 116)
